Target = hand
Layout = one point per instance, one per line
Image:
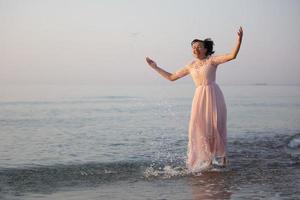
(240, 34)
(151, 62)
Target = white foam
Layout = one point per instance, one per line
(294, 143)
(166, 172)
(179, 171)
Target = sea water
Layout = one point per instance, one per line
(130, 142)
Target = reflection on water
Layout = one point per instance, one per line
(210, 185)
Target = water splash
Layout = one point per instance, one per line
(166, 172)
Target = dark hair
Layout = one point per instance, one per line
(207, 44)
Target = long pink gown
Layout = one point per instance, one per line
(207, 126)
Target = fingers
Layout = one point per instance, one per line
(240, 32)
(150, 62)
(148, 59)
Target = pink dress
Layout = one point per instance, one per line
(207, 126)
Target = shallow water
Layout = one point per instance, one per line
(126, 143)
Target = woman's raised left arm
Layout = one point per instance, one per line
(227, 57)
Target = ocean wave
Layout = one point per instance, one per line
(293, 147)
(50, 178)
(47, 178)
(72, 171)
(90, 173)
(294, 143)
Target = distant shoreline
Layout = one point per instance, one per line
(141, 84)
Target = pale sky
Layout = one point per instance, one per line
(106, 41)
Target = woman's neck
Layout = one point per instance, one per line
(201, 57)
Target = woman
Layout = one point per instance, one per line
(207, 127)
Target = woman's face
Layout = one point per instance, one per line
(198, 49)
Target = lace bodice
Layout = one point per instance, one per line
(203, 73)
